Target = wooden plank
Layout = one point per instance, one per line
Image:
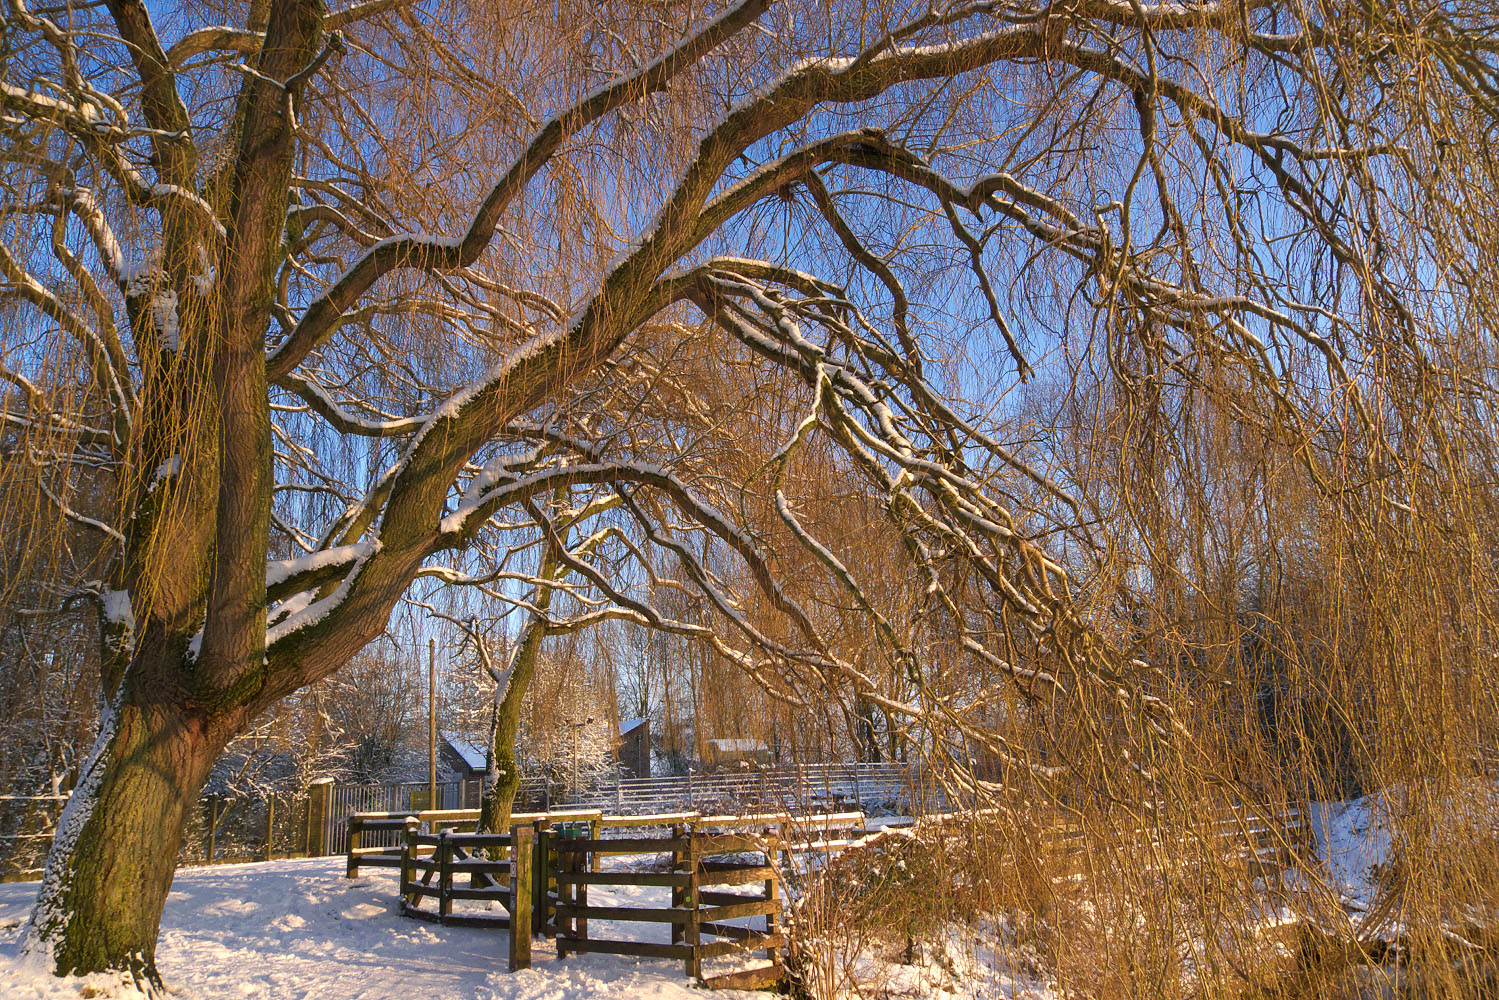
(520, 898)
(729, 843)
(573, 816)
(493, 893)
(717, 949)
(623, 845)
(364, 817)
(759, 978)
(650, 819)
(625, 878)
(735, 874)
(416, 914)
(753, 908)
(708, 897)
(479, 841)
(735, 931)
(478, 865)
(366, 852)
(474, 920)
(434, 816)
(637, 914)
(639, 949)
(380, 861)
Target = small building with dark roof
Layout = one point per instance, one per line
(634, 747)
(460, 759)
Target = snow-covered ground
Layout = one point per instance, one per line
(1353, 840)
(299, 930)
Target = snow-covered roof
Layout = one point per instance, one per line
(473, 755)
(737, 745)
(629, 725)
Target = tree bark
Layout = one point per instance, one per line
(111, 866)
(502, 780)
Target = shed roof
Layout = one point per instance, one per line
(475, 756)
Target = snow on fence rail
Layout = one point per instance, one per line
(807, 788)
(821, 833)
(400, 798)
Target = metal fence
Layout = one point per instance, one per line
(345, 800)
(796, 789)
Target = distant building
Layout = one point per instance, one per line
(634, 747)
(459, 759)
(734, 752)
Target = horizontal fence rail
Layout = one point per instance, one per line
(695, 913)
(808, 788)
(449, 868)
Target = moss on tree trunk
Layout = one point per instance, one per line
(503, 778)
(111, 868)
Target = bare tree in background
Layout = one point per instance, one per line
(365, 288)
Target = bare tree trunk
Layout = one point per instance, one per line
(111, 867)
(502, 780)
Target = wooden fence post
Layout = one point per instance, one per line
(444, 875)
(678, 892)
(772, 894)
(317, 817)
(270, 826)
(693, 934)
(520, 896)
(567, 863)
(351, 870)
(408, 863)
(213, 825)
(543, 872)
(579, 889)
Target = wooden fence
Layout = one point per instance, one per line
(541, 871)
(375, 839)
(695, 912)
(539, 875)
(548, 862)
(221, 830)
(498, 869)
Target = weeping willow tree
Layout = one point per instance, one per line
(916, 351)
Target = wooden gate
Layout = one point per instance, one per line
(498, 870)
(705, 869)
